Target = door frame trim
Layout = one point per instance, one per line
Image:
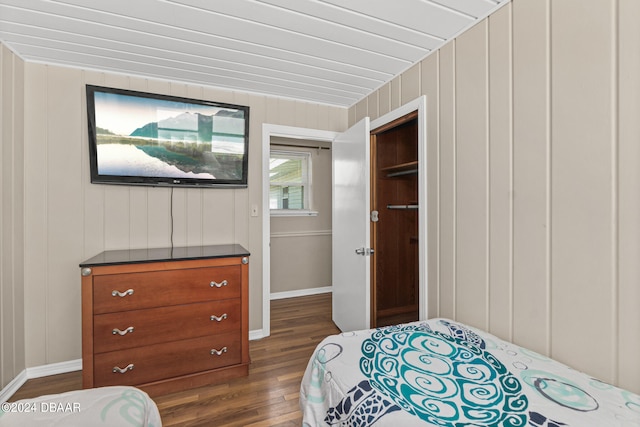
(273, 130)
(269, 131)
(420, 105)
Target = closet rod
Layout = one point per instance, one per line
(407, 172)
(317, 147)
(403, 206)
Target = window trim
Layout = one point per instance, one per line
(308, 187)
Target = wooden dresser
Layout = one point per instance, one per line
(165, 319)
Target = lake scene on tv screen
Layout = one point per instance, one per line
(148, 137)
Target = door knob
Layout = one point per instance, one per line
(364, 251)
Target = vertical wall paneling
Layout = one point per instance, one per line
(194, 218)
(628, 320)
(531, 178)
(362, 110)
(93, 196)
(117, 217)
(6, 285)
(322, 117)
(138, 231)
(241, 196)
(286, 112)
(11, 216)
(447, 202)
(471, 176)
(259, 115)
(36, 280)
(500, 174)
(64, 211)
(396, 91)
(384, 101)
(159, 217)
(373, 106)
(217, 216)
(582, 170)
(537, 206)
(410, 88)
(300, 113)
(17, 205)
(429, 72)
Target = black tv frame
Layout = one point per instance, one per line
(97, 178)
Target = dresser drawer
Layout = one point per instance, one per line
(161, 361)
(135, 328)
(131, 291)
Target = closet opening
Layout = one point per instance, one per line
(394, 222)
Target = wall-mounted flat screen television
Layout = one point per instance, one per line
(138, 138)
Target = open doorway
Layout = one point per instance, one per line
(293, 226)
(300, 209)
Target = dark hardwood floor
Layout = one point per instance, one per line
(267, 397)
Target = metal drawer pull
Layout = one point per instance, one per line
(119, 332)
(216, 284)
(218, 319)
(218, 352)
(129, 367)
(122, 294)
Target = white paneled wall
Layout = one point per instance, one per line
(583, 169)
(11, 217)
(627, 254)
(533, 179)
(67, 219)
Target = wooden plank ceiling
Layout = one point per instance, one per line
(327, 51)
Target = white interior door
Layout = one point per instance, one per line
(350, 224)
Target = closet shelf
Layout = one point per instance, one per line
(401, 169)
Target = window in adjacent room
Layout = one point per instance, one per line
(290, 183)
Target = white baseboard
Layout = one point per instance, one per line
(300, 293)
(13, 386)
(257, 334)
(54, 369)
(38, 372)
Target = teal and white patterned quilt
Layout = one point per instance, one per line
(443, 373)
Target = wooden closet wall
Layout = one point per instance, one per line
(394, 195)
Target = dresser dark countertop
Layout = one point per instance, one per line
(138, 256)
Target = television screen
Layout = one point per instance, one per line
(139, 138)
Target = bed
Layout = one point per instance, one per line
(101, 407)
(444, 373)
